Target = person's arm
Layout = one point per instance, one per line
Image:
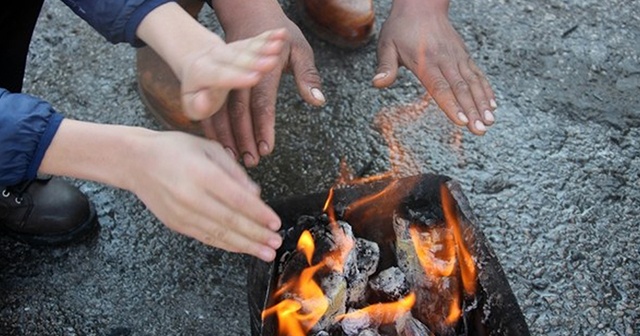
(27, 126)
(116, 20)
(418, 35)
(189, 183)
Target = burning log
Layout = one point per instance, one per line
(419, 248)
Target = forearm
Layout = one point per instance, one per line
(102, 153)
(175, 35)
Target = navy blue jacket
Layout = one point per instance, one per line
(28, 124)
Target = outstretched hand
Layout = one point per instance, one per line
(194, 188)
(245, 124)
(424, 41)
(220, 67)
(188, 182)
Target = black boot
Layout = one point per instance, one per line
(46, 211)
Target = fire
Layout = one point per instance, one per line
(454, 310)
(307, 303)
(468, 270)
(306, 245)
(442, 252)
(382, 313)
(336, 259)
(297, 316)
(426, 250)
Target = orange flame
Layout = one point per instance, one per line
(382, 313)
(328, 206)
(439, 256)
(307, 303)
(336, 259)
(468, 270)
(306, 245)
(454, 310)
(372, 199)
(297, 316)
(428, 260)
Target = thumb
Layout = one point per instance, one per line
(387, 65)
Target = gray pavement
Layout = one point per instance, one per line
(554, 183)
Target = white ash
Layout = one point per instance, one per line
(367, 256)
(334, 286)
(391, 284)
(413, 327)
(352, 326)
(369, 332)
(321, 333)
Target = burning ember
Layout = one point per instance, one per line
(376, 270)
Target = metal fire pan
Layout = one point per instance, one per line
(499, 313)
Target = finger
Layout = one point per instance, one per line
(263, 111)
(204, 97)
(439, 88)
(227, 164)
(462, 92)
(233, 232)
(232, 192)
(220, 127)
(306, 74)
(480, 99)
(242, 126)
(488, 91)
(387, 70)
(208, 129)
(267, 43)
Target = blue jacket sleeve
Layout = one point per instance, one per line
(27, 126)
(116, 20)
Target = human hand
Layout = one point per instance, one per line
(206, 66)
(216, 69)
(194, 188)
(245, 125)
(423, 40)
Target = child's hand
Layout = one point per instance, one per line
(217, 69)
(206, 66)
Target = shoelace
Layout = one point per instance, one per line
(19, 189)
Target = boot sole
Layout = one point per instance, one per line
(79, 233)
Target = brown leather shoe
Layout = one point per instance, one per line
(46, 212)
(345, 23)
(159, 88)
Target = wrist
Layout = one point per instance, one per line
(107, 154)
(176, 36)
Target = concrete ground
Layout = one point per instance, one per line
(554, 183)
